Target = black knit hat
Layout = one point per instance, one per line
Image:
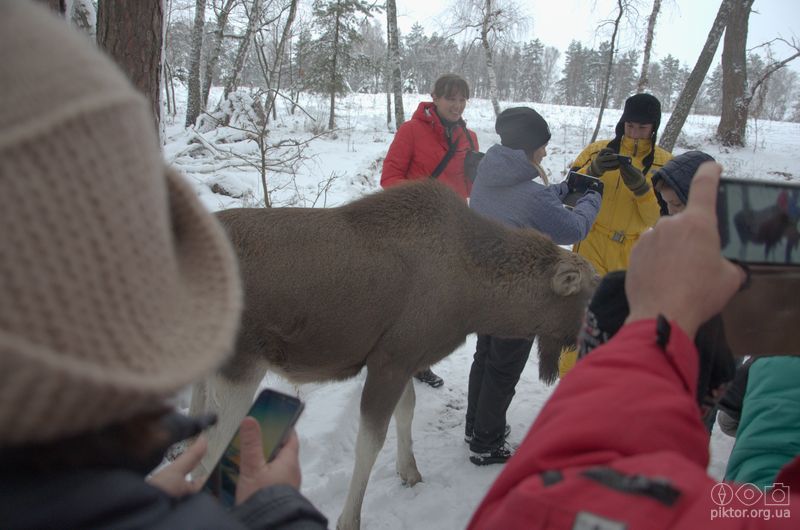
(522, 128)
(606, 313)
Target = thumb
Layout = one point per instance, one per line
(251, 450)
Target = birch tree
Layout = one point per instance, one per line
(394, 62)
(690, 90)
(648, 46)
(621, 6)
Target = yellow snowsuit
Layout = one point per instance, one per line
(623, 217)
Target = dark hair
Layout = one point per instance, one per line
(450, 85)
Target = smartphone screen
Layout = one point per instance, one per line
(758, 221)
(577, 183)
(276, 413)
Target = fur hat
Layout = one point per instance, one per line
(522, 128)
(117, 287)
(639, 108)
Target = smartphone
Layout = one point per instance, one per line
(277, 413)
(758, 221)
(578, 183)
(624, 160)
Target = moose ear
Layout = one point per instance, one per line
(567, 279)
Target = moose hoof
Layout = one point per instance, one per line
(410, 477)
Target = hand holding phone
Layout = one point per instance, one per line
(578, 184)
(270, 420)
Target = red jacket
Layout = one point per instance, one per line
(621, 440)
(418, 147)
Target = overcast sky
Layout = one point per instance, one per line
(681, 29)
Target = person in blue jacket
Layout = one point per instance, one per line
(506, 190)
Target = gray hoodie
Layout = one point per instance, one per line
(505, 191)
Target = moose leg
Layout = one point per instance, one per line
(230, 400)
(403, 415)
(381, 393)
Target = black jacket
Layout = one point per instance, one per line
(122, 500)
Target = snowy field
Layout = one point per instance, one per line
(345, 166)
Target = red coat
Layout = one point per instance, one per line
(418, 147)
(627, 410)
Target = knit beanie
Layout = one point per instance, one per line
(522, 128)
(678, 174)
(117, 288)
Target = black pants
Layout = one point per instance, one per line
(496, 368)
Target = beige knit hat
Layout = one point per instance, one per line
(117, 288)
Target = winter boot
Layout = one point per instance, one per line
(427, 376)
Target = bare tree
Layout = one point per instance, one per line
(131, 32)
(271, 70)
(216, 46)
(621, 6)
(648, 46)
(695, 81)
(394, 62)
(493, 21)
(194, 99)
(733, 120)
(253, 18)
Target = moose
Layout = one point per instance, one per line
(394, 281)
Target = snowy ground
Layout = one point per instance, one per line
(452, 486)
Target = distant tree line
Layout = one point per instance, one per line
(525, 71)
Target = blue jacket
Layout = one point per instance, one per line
(505, 191)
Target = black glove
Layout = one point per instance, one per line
(606, 160)
(634, 179)
(595, 186)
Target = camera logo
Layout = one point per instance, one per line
(753, 502)
(778, 495)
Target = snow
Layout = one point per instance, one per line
(345, 166)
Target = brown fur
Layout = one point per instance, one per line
(394, 282)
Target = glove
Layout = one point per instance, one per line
(634, 179)
(606, 160)
(596, 187)
(562, 188)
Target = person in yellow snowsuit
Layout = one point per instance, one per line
(629, 204)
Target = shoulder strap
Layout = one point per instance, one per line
(447, 156)
(469, 137)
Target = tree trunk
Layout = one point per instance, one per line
(648, 46)
(232, 82)
(194, 100)
(695, 80)
(276, 68)
(394, 61)
(216, 49)
(487, 50)
(733, 120)
(331, 118)
(131, 32)
(609, 68)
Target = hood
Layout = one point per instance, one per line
(503, 166)
(678, 174)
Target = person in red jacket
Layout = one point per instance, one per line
(434, 144)
(585, 463)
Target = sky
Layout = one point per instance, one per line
(681, 28)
